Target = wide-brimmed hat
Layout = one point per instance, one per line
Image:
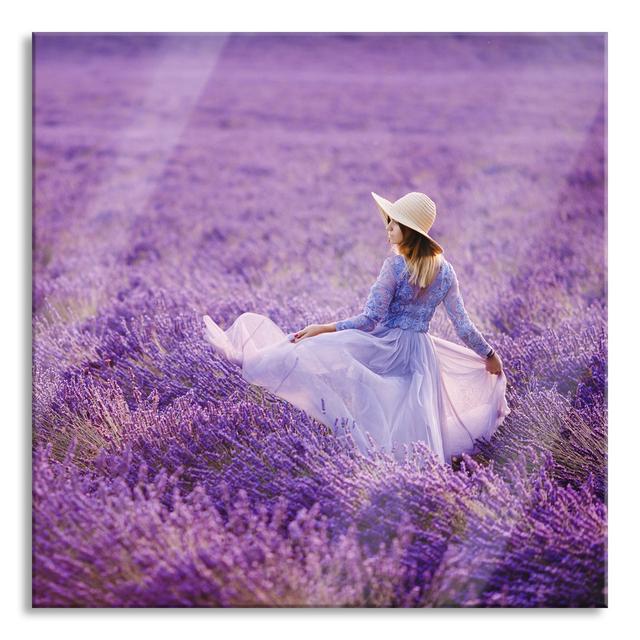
(415, 210)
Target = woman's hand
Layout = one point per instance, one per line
(309, 331)
(494, 364)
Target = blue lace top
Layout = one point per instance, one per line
(391, 302)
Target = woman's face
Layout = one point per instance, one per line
(394, 233)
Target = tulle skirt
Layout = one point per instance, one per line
(386, 388)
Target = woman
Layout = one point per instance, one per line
(380, 375)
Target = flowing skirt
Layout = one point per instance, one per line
(398, 386)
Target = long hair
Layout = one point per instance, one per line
(423, 258)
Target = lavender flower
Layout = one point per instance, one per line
(223, 174)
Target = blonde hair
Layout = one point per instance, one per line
(423, 257)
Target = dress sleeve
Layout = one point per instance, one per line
(380, 297)
(459, 317)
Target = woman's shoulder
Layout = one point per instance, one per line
(448, 270)
(392, 259)
(397, 262)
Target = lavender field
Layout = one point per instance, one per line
(181, 175)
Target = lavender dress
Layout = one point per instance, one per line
(381, 372)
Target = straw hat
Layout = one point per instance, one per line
(415, 210)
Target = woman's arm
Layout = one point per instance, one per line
(380, 297)
(459, 317)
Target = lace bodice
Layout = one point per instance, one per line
(391, 302)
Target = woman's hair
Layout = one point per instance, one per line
(422, 256)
